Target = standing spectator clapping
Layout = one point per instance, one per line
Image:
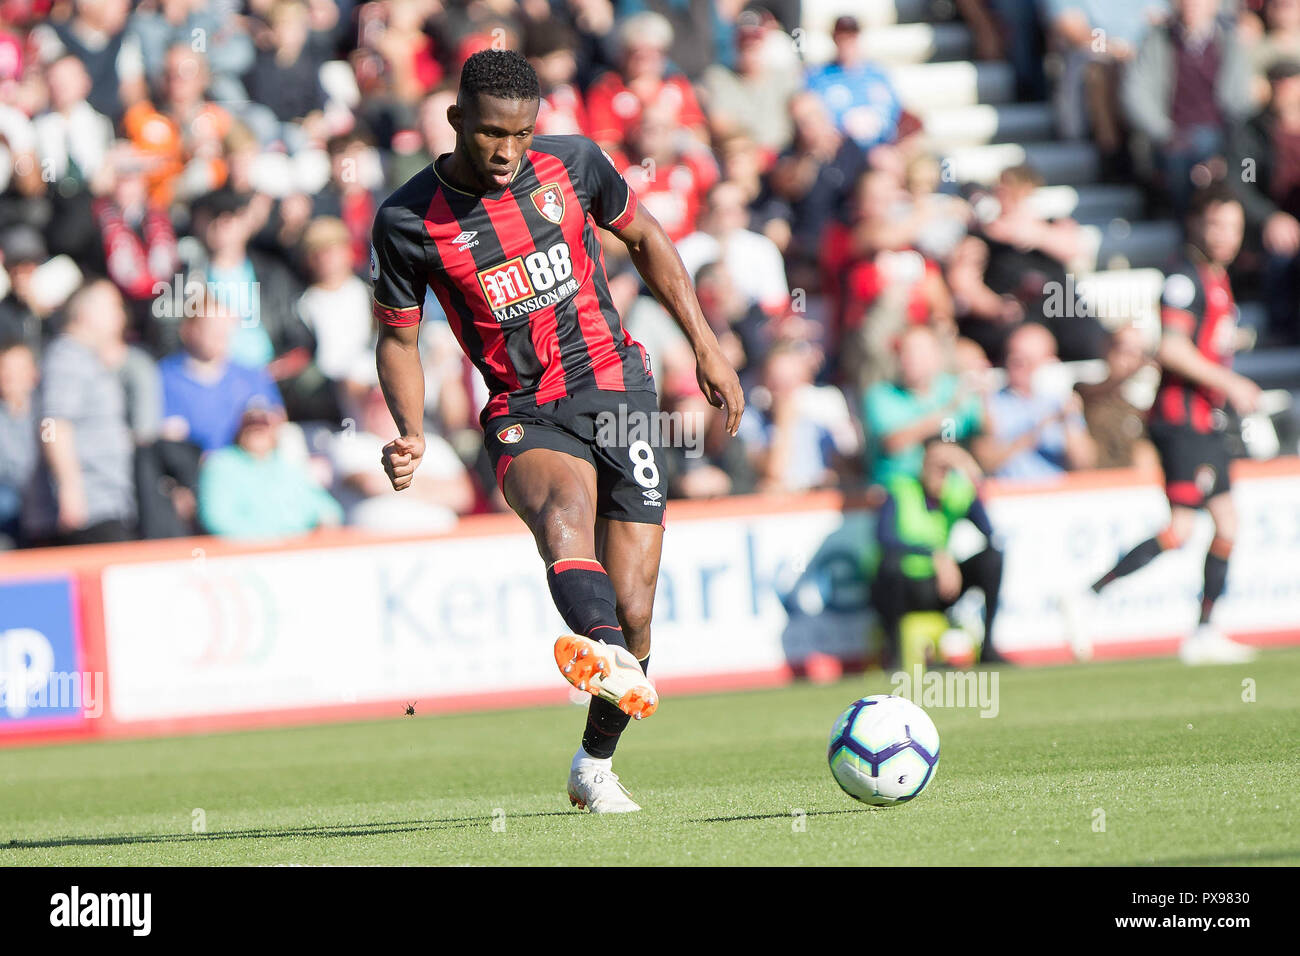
(1034, 433)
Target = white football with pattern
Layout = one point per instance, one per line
(883, 750)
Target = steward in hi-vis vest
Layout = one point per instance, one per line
(915, 571)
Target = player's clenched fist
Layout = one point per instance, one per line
(401, 457)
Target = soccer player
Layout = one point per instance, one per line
(1187, 421)
(503, 230)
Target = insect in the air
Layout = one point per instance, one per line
(410, 708)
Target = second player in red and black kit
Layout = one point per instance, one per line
(1187, 422)
(503, 231)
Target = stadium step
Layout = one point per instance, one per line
(918, 43)
(900, 43)
(1270, 368)
(818, 16)
(979, 125)
(925, 87)
(1135, 245)
(1094, 203)
(1061, 164)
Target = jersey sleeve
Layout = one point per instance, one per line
(1181, 305)
(613, 203)
(397, 269)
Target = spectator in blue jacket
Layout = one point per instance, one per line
(858, 94)
(204, 392)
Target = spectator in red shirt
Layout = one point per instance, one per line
(670, 183)
(615, 101)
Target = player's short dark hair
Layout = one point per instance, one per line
(1215, 194)
(504, 74)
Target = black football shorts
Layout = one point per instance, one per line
(618, 433)
(1195, 463)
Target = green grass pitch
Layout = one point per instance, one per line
(1185, 771)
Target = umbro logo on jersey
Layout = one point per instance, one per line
(652, 495)
(466, 240)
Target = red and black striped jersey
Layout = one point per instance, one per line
(1196, 302)
(518, 271)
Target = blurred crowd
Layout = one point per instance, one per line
(187, 189)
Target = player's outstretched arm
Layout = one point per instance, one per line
(1178, 354)
(657, 260)
(401, 376)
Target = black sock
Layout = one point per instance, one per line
(1139, 557)
(585, 599)
(1216, 576)
(606, 723)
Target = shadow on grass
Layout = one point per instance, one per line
(781, 816)
(273, 833)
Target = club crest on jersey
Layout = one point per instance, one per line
(511, 434)
(1204, 479)
(549, 201)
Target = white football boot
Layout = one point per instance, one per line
(1207, 645)
(607, 671)
(594, 786)
(1078, 608)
